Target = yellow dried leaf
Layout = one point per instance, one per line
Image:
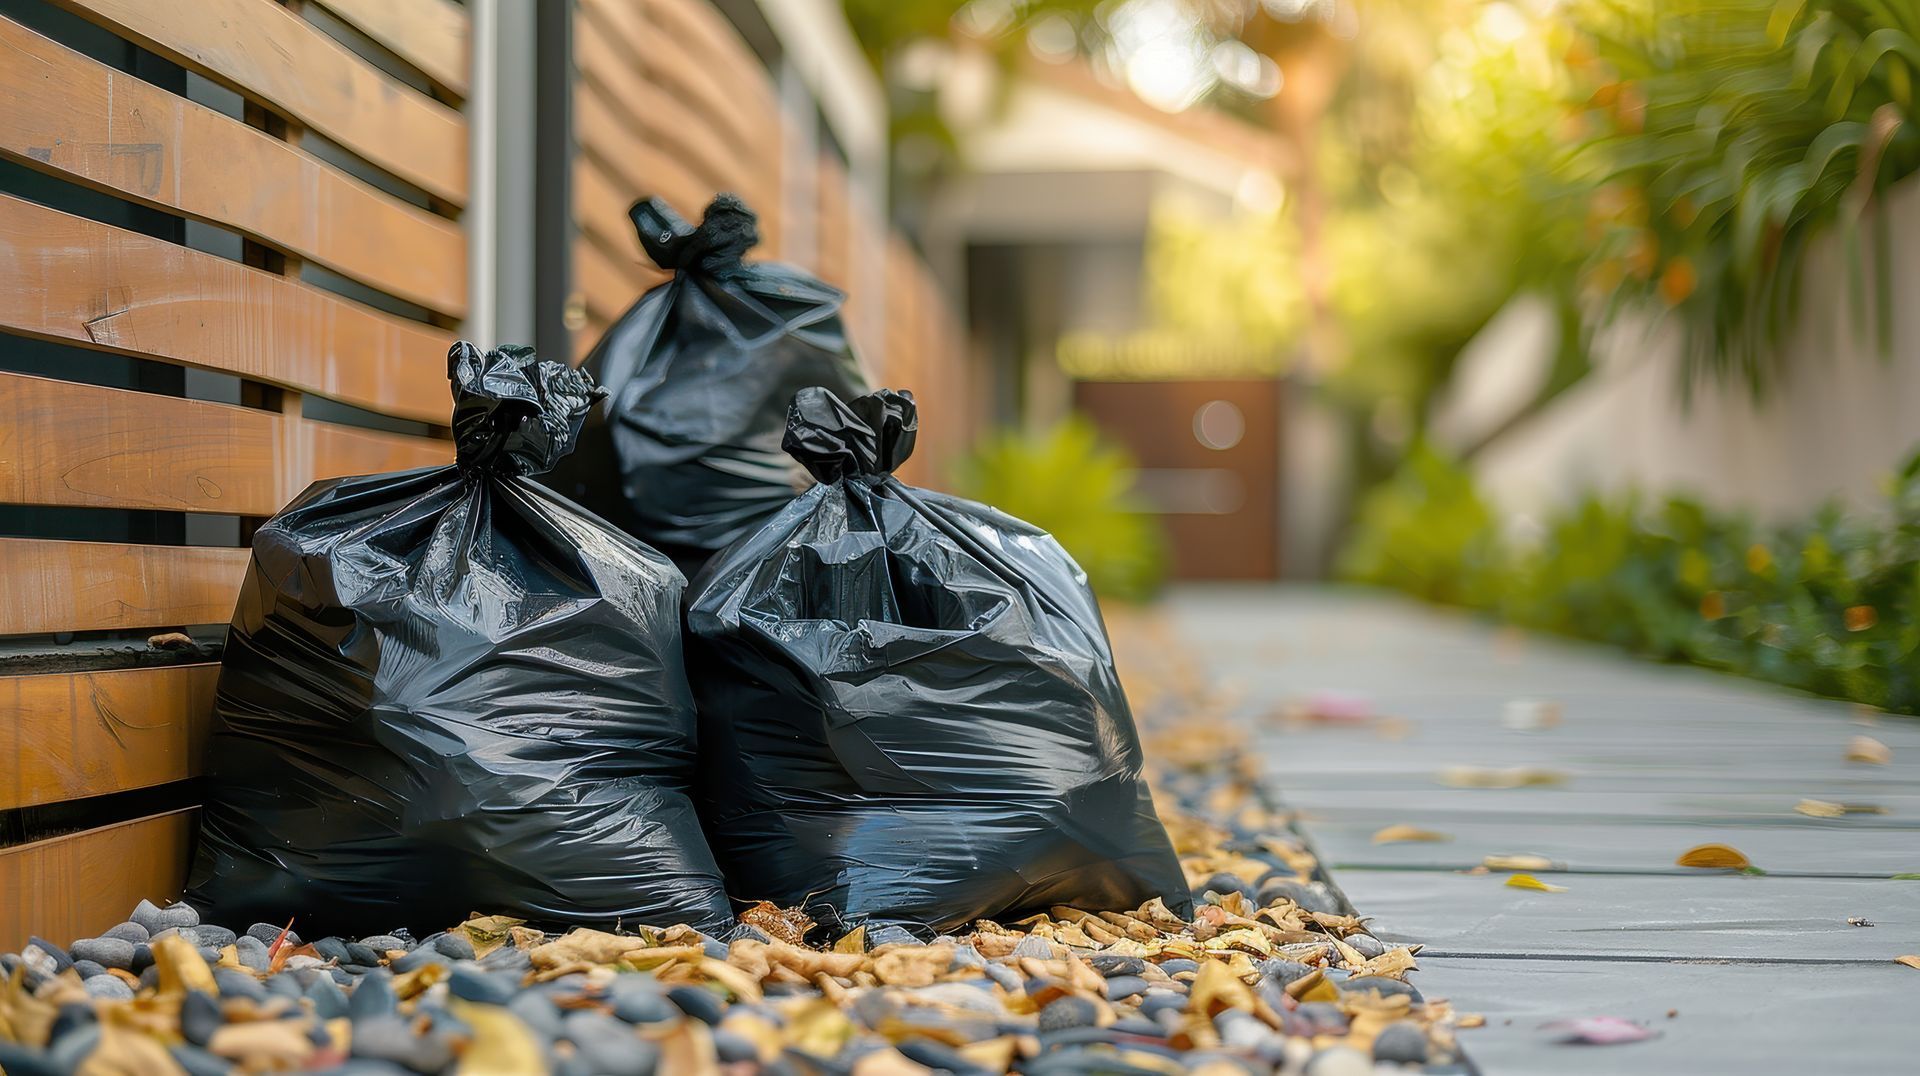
(818, 1027)
(853, 941)
(1528, 881)
(1216, 988)
(584, 945)
(182, 968)
(1867, 749)
(1910, 961)
(1406, 834)
(128, 1053)
(1713, 856)
(1522, 862)
(501, 1043)
(1820, 809)
(488, 932)
(1394, 964)
(263, 1045)
(1511, 777)
(688, 1050)
(1471, 1019)
(994, 1055)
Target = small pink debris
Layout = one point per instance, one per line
(1337, 707)
(1599, 1030)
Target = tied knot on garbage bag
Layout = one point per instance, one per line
(909, 712)
(450, 688)
(722, 238)
(868, 438)
(513, 413)
(685, 453)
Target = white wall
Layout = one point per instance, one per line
(1838, 421)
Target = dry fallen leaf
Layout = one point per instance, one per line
(1528, 881)
(1868, 749)
(1828, 809)
(1523, 862)
(1859, 921)
(1713, 856)
(1511, 777)
(1910, 961)
(1530, 715)
(1405, 833)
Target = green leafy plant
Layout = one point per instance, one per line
(1733, 132)
(1829, 604)
(1076, 486)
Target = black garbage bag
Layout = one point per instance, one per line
(448, 690)
(685, 453)
(908, 705)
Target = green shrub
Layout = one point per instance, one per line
(1830, 604)
(1076, 486)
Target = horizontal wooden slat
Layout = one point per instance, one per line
(712, 67)
(48, 585)
(69, 444)
(72, 115)
(832, 248)
(277, 59)
(678, 130)
(78, 885)
(432, 35)
(628, 157)
(600, 206)
(74, 735)
(730, 90)
(68, 278)
(602, 282)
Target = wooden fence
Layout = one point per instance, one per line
(274, 207)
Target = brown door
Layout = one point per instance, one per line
(1209, 455)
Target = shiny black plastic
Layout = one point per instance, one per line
(448, 690)
(685, 454)
(908, 706)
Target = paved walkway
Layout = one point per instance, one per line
(1764, 972)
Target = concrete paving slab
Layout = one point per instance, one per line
(1854, 1021)
(1425, 805)
(1715, 916)
(1812, 846)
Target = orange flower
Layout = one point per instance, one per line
(1678, 281)
(1860, 617)
(1712, 605)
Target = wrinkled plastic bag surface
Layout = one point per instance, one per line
(909, 710)
(685, 453)
(448, 690)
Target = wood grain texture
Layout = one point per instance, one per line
(676, 129)
(727, 90)
(627, 156)
(600, 206)
(834, 236)
(432, 35)
(71, 444)
(713, 67)
(77, 885)
(67, 278)
(277, 59)
(48, 585)
(606, 286)
(71, 115)
(73, 735)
